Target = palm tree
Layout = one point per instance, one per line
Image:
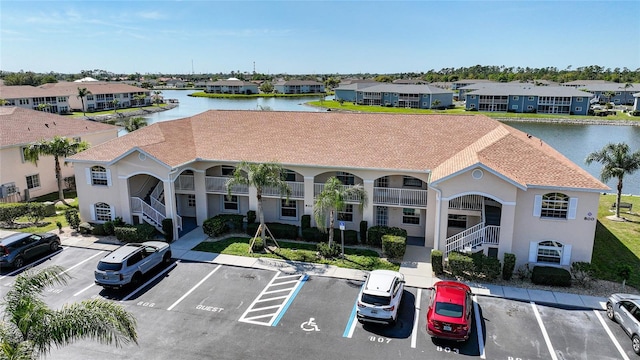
(135, 123)
(139, 98)
(334, 197)
(58, 147)
(82, 93)
(157, 97)
(31, 327)
(616, 162)
(44, 107)
(259, 176)
(115, 103)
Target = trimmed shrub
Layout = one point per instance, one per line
(436, 262)
(375, 233)
(314, 235)
(461, 265)
(523, 272)
(134, 233)
(85, 228)
(393, 246)
(251, 217)
(36, 211)
(98, 230)
(329, 252)
(487, 267)
(11, 211)
(279, 230)
(258, 245)
(363, 231)
(109, 227)
(508, 266)
(73, 219)
(549, 275)
(583, 273)
(350, 237)
(167, 229)
(233, 221)
(215, 226)
(305, 222)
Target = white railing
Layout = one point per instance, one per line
(467, 202)
(185, 182)
(217, 184)
(297, 190)
(158, 206)
(399, 196)
(318, 188)
(139, 206)
(472, 237)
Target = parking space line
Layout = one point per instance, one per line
(81, 291)
(193, 288)
(82, 262)
(273, 317)
(351, 324)
(544, 331)
(611, 336)
(476, 310)
(416, 318)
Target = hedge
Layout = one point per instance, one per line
(393, 246)
(9, 212)
(548, 275)
(461, 265)
(215, 226)
(279, 230)
(134, 233)
(314, 235)
(167, 229)
(436, 262)
(363, 231)
(305, 222)
(375, 234)
(508, 266)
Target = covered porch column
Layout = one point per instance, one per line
(367, 211)
(506, 228)
(308, 196)
(125, 200)
(170, 203)
(200, 187)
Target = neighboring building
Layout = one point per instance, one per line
(410, 81)
(103, 93)
(299, 87)
(55, 101)
(405, 96)
(232, 86)
(347, 91)
(584, 83)
(617, 93)
(452, 182)
(526, 98)
(18, 128)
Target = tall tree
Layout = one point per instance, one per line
(260, 176)
(617, 161)
(58, 147)
(135, 123)
(157, 99)
(139, 98)
(334, 197)
(30, 327)
(82, 94)
(115, 103)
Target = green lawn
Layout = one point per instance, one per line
(361, 259)
(349, 106)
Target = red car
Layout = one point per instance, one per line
(449, 312)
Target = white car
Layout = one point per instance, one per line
(625, 310)
(380, 297)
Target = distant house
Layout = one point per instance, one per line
(617, 93)
(103, 93)
(55, 101)
(232, 86)
(176, 83)
(525, 98)
(347, 91)
(410, 81)
(298, 87)
(406, 96)
(21, 179)
(584, 83)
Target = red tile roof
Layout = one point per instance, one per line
(20, 126)
(443, 144)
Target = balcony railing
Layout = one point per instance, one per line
(318, 188)
(467, 202)
(474, 236)
(297, 190)
(185, 182)
(217, 184)
(399, 196)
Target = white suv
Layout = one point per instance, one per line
(380, 297)
(128, 263)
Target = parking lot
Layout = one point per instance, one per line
(195, 310)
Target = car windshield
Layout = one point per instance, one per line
(106, 266)
(449, 309)
(376, 300)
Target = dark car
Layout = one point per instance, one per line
(18, 248)
(449, 312)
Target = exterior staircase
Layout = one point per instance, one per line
(153, 210)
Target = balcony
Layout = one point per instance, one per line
(318, 188)
(297, 191)
(399, 197)
(217, 185)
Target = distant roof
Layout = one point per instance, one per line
(20, 126)
(583, 82)
(98, 87)
(231, 82)
(525, 90)
(85, 79)
(356, 86)
(408, 89)
(441, 144)
(297, 82)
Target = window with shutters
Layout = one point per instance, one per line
(550, 252)
(99, 176)
(103, 212)
(554, 205)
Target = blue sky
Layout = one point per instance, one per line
(314, 37)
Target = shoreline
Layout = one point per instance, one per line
(571, 121)
(138, 112)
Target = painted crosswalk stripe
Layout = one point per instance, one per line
(270, 305)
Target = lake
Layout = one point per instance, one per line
(573, 141)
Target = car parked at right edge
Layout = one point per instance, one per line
(625, 310)
(129, 263)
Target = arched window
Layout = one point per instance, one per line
(550, 251)
(102, 212)
(554, 205)
(99, 176)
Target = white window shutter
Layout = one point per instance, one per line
(566, 255)
(113, 212)
(573, 207)
(87, 172)
(533, 252)
(108, 177)
(537, 205)
(93, 212)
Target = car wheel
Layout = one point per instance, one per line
(610, 313)
(136, 280)
(167, 258)
(18, 262)
(54, 246)
(635, 344)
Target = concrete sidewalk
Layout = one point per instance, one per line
(416, 267)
